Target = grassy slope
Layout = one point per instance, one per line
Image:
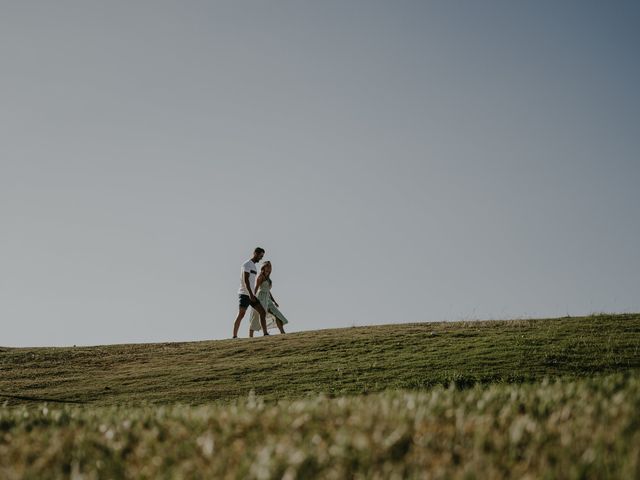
(570, 429)
(343, 361)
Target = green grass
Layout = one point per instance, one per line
(337, 362)
(555, 398)
(579, 429)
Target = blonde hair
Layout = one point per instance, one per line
(262, 268)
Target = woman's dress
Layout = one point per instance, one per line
(264, 295)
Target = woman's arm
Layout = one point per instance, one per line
(259, 280)
(273, 300)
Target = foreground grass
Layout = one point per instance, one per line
(587, 428)
(336, 362)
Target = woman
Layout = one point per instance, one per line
(275, 318)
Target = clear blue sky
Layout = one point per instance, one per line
(399, 161)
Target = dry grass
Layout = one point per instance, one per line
(580, 429)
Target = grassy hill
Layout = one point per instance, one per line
(347, 361)
(184, 410)
(569, 429)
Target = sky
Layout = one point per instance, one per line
(406, 161)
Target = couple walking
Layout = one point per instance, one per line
(262, 302)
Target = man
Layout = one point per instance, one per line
(245, 292)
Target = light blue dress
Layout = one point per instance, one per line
(263, 294)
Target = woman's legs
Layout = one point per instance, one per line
(278, 322)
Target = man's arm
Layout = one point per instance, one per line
(247, 283)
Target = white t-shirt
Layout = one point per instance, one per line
(248, 266)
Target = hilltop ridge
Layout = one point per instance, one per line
(346, 361)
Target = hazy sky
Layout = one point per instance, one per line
(400, 161)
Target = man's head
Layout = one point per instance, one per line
(258, 253)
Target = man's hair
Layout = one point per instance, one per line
(259, 250)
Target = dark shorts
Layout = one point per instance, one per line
(245, 301)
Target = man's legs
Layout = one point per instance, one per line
(236, 325)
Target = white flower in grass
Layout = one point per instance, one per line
(206, 444)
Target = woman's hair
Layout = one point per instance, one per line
(262, 268)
